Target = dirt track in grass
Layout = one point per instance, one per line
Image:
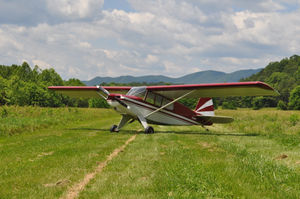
(74, 191)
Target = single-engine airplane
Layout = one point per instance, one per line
(159, 104)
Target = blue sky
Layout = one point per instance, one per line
(88, 38)
(117, 4)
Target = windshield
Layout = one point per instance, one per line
(137, 91)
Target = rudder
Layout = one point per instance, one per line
(205, 107)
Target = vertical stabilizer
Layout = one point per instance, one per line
(205, 107)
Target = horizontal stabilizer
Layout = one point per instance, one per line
(214, 119)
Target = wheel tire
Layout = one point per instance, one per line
(149, 130)
(113, 128)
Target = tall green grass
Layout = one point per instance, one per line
(16, 119)
(283, 126)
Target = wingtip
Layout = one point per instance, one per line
(267, 86)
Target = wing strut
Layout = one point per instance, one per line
(172, 102)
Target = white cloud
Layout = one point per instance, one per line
(173, 68)
(75, 8)
(169, 37)
(40, 63)
(151, 59)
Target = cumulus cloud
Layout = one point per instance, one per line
(34, 12)
(171, 37)
(151, 59)
(75, 8)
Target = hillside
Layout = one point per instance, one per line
(208, 76)
(283, 76)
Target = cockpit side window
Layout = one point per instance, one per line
(150, 98)
(158, 100)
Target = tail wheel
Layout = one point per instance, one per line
(113, 128)
(149, 130)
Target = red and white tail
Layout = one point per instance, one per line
(205, 107)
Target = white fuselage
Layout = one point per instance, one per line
(137, 108)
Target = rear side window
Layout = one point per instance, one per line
(166, 101)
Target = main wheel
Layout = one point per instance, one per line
(113, 128)
(149, 130)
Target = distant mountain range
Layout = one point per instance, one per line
(208, 76)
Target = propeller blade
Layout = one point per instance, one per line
(103, 92)
(122, 103)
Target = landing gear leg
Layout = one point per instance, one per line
(205, 128)
(123, 122)
(148, 129)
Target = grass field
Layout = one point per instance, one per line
(44, 152)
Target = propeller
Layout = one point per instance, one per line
(120, 102)
(103, 92)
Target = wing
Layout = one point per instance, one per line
(215, 90)
(88, 91)
(117, 89)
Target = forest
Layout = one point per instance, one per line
(284, 76)
(25, 86)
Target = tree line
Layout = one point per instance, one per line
(21, 85)
(284, 76)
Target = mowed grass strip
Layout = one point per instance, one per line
(44, 163)
(170, 165)
(188, 162)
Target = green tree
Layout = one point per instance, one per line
(50, 78)
(257, 103)
(3, 90)
(74, 82)
(98, 103)
(294, 100)
(281, 105)
(23, 72)
(229, 105)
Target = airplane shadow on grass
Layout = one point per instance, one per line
(209, 133)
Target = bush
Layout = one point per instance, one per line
(294, 100)
(257, 103)
(228, 105)
(97, 103)
(281, 105)
(294, 119)
(4, 112)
